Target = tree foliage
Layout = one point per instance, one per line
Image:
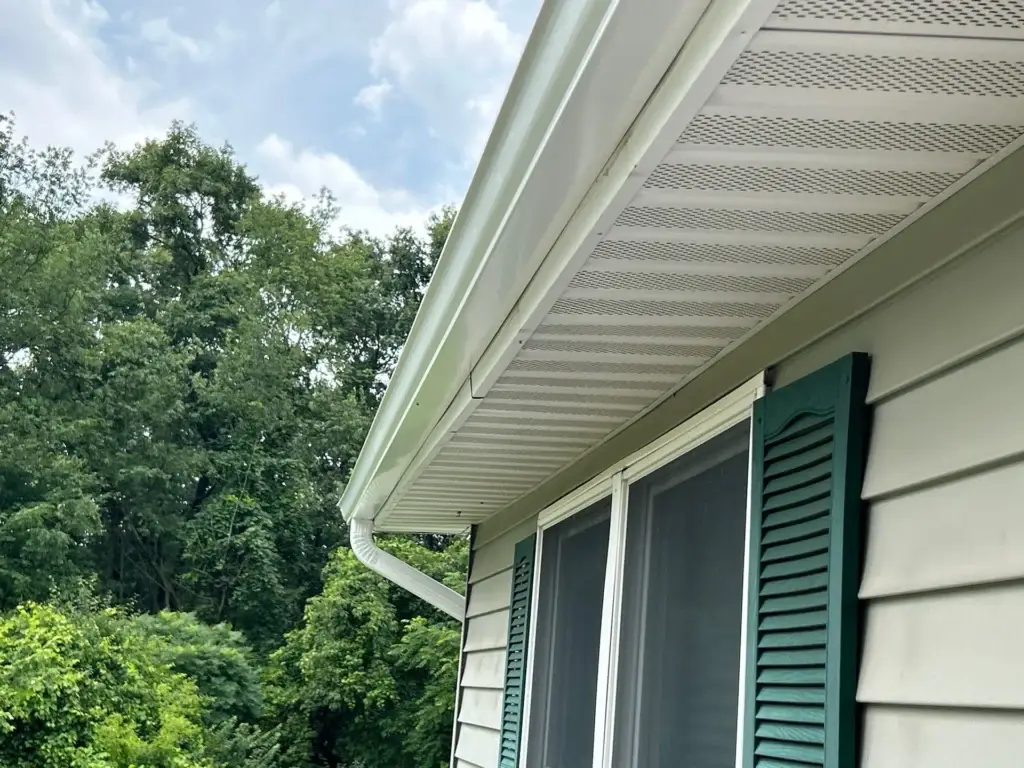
(371, 670)
(187, 371)
(83, 690)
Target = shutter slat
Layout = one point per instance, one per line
(807, 658)
(793, 567)
(803, 495)
(806, 734)
(796, 603)
(808, 457)
(796, 585)
(804, 620)
(789, 751)
(791, 695)
(790, 551)
(797, 532)
(792, 676)
(792, 639)
(796, 514)
(799, 437)
(818, 450)
(786, 714)
(822, 470)
(516, 652)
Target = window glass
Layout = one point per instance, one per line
(573, 563)
(678, 681)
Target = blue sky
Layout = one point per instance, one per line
(386, 102)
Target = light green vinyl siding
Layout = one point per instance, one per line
(942, 586)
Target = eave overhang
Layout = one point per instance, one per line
(661, 185)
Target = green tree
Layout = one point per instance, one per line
(216, 657)
(227, 675)
(369, 677)
(185, 381)
(84, 690)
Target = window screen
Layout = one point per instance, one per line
(573, 562)
(682, 604)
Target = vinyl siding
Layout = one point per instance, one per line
(483, 661)
(942, 676)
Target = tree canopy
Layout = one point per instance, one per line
(188, 370)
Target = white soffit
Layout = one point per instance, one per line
(840, 123)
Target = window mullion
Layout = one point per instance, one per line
(611, 617)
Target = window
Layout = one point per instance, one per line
(574, 554)
(682, 605)
(716, 588)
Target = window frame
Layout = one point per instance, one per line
(727, 412)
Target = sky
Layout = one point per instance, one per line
(388, 103)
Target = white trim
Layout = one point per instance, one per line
(531, 652)
(725, 413)
(576, 501)
(745, 607)
(713, 420)
(611, 619)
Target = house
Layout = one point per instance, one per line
(721, 371)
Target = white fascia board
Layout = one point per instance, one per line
(590, 112)
(438, 354)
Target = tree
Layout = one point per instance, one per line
(369, 677)
(82, 690)
(227, 676)
(185, 382)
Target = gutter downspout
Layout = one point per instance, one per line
(360, 533)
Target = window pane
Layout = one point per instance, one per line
(682, 605)
(573, 562)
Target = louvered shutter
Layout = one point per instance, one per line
(515, 663)
(809, 448)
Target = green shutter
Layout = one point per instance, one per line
(515, 663)
(808, 453)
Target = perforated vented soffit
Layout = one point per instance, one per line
(841, 122)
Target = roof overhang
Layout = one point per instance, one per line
(662, 182)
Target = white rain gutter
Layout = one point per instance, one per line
(589, 69)
(505, 226)
(481, 272)
(360, 535)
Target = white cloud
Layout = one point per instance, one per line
(299, 174)
(372, 97)
(454, 59)
(93, 10)
(56, 77)
(164, 38)
(74, 78)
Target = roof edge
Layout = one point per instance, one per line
(547, 174)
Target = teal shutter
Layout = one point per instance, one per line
(808, 454)
(515, 663)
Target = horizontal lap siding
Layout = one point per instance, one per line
(943, 580)
(942, 674)
(483, 665)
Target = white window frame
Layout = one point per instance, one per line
(729, 411)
